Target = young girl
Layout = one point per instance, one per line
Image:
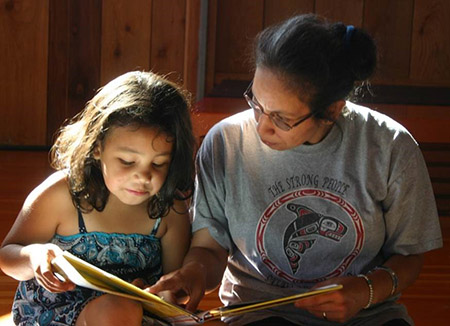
(117, 201)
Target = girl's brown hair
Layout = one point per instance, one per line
(140, 99)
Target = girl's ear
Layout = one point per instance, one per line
(96, 151)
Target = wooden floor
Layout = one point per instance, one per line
(428, 300)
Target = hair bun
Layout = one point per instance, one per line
(361, 53)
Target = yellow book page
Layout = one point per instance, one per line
(253, 306)
(98, 279)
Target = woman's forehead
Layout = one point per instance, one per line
(272, 91)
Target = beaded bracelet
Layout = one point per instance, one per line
(369, 284)
(393, 276)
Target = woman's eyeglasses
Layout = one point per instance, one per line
(275, 118)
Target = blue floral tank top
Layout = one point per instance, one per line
(128, 256)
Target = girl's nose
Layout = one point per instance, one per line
(144, 176)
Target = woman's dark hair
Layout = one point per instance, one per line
(137, 99)
(320, 61)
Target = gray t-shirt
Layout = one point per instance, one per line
(292, 218)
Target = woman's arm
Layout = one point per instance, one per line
(342, 305)
(406, 268)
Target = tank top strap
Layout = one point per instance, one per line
(81, 225)
(155, 227)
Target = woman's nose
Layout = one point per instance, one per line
(265, 125)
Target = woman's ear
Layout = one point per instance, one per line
(335, 109)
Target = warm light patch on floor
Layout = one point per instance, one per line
(6, 320)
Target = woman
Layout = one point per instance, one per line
(307, 189)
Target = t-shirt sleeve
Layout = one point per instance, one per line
(210, 194)
(412, 223)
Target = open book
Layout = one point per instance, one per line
(68, 266)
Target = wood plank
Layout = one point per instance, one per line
(430, 61)
(427, 312)
(125, 37)
(8, 288)
(167, 40)
(390, 23)
(58, 70)
(350, 12)
(238, 22)
(436, 156)
(23, 71)
(84, 52)
(191, 46)
(211, 46)
(441, 188)
(428, 124)
(275, 10)
(20, 173)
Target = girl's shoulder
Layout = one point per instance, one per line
(178, 217)
(53, 193)
(45, 209)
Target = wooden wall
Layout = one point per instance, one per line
(54, 55)
(413, 36)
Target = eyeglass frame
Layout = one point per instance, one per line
(276, 120)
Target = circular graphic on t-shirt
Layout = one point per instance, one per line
(307, 233)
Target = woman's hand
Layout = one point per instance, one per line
(340, 305)
(202, 271)
(41, 256)
(165, 295)
(190, 281)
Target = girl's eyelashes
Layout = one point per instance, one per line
(159, 165)
(154, 164)
(124, 162)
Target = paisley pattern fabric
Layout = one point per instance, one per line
(128, 256)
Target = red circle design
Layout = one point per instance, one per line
(270, 211)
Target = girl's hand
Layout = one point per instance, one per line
(139, 282)
(41, 256)
(340, 305)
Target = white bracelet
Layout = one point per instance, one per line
(369, 284)
(393, 276)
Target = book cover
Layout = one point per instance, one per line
(68, 266)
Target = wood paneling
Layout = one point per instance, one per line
(413, 37)
(23, 71)
(74, 57)
(238, 22)
(126, 28)
(211, 46)
(430, 55)
(191, 45)
(55, 54)
(276, 10)
(390, 23)
(58, 69)
(84, 52)
(350, 12)
(168, 32)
